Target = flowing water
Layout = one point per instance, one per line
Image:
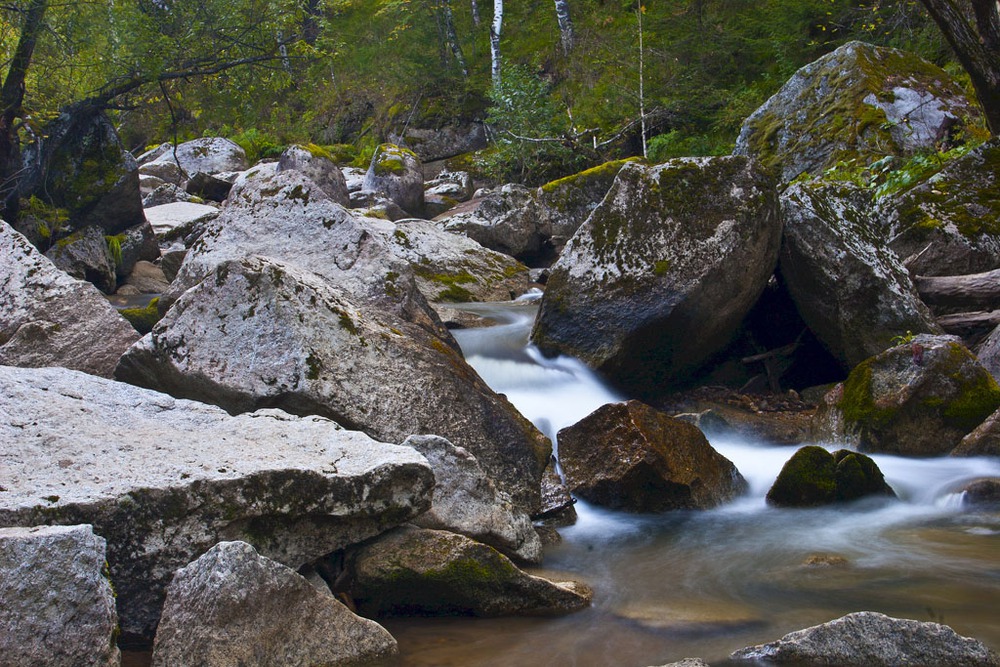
(702, 584)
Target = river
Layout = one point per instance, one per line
(703, 584)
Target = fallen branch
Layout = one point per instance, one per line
(979, 291)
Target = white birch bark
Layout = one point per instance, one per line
(565, 25)
(495, 29)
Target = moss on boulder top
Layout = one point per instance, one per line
(814, 476)
(397, 174)
(859, 102)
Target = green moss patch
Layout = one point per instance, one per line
(143, 319)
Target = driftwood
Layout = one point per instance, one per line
(970, 325)
(975, 291)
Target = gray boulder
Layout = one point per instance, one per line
(454, 185)
(444, 142)
(983, 441)
(662, 273)
(857, 103)
(233, 607)
(163, 480)
(947, 224)
(211, 155)
(183, 221)
(256, 333)
(85, 256)
(153, 153)
(318, 167)
(58, 606)
(467, 502)
(48, 318)
(135, 244)
(984, 493)
(919, 398)
(849, 288)
(499, 220)
(148, 278)
(167, 193)
(432, 572)
(632, 457)
(870, 639)
(396, 173)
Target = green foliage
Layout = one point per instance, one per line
(115, 247)
(143, 319)
(256, 144)
(676, 144)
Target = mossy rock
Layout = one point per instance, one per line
(143, 319)
(397, 174)
(814, 476)
(858, 103)
(916, 399)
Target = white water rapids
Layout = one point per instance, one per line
(703, 584)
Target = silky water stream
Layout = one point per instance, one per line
(702, 584)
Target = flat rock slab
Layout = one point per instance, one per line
(176, 219)
(58, 607)
(163, 480)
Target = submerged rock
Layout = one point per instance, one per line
(849, 288)
(234, 607)
(857, 103)
(870, 639)
(163, 480)
(630, 456)
(814, 476)
(58, 606)
(256, 333)
(416, 571)
(919, 398)
(48, 318)
(662, 273)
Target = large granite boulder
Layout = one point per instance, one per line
(82, 168)
(256, 333)
(814, 476)
(163, 480)
(48, 318)
(85, 255)
(661, 274)
(919, 398)
(317, 165)
(289, 218)
(233, 607)
(870, 639)
(632, 457)
(859, 102)
(849, 288)
(209, 155)
(466, 501)
(396, 173)
(433, 572)
(949, 224)
(58, 606)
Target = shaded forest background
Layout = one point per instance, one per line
(350, 74)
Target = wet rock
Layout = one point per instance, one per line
(85, 256)
(318, 166)
(58, 607)
(210, 155)
(947, 225)
(632, 457)
(849, 288)
(984, 440)
(919, 398)
(396, 173)
(233, 607)
(814, 476)
(48, 318)
(859, 102)
(982, 493)
(257, 333)
(467, 502)
(662, 273)
(163, 480)
(148, 279)
(988, 353)
(417, 571)
(557, 503)
(180, 220)
(870, 639)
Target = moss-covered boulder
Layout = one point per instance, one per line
(859, 102)
(949, 224)
(661, 274)
(919, 398)
(632, 457)
(397, 174)
(849, 288)
(814, 476)
(431, 572)
(318, 165)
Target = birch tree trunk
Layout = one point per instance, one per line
(495, 29)
(475, 14)
(565, 25)
(449, 26)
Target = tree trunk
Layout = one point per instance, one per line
(11, 100)
(495, 29)
(977, 47)
(565, 25)
(973, 291)
(456, 50)
(970, 325)
(475, 14)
